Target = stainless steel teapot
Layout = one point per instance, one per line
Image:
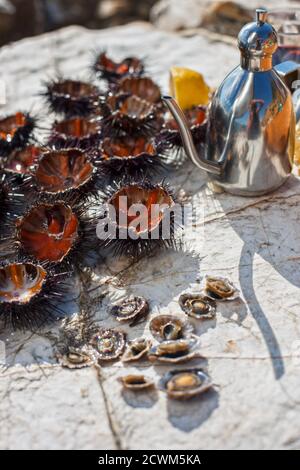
(250, 137)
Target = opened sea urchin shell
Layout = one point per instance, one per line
(71, 97)
(136, 382)
(108, 344)
(136, 194)
(29, 294)
(185, 384)
(12, 205)
(77, 132)
(139, 232)
(130, 115)
(169, 327)
(220, 288)
(59, 171)
(131, 309)
(133, 156)
(180, 350)
(20, 282)
(48, 232)
(20, 161)
(107, 69)
(143, 87)
(198, 306)
(15, 131)
(136, 349)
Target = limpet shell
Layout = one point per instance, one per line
(220, 288)
(136, 349)
(185, 384)
(108, 344)
(131, 309)
(136, 382)
(180, 350)
(198, 306)
(75, 358)
(169, 327)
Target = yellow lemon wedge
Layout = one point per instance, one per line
(188, 87)
(297, 149)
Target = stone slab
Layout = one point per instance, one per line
(252, 350)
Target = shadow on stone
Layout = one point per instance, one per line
(275, 249)
(36, 345)
(201, 327)
(142, 399)
(234, 311)
(246, 281)
(190, 414)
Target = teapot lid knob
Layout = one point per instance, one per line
(261, 15)
(257, 42)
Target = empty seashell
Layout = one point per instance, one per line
(136, 349)
(185, 384)
(75, 358)
(220, 288)
(169, 327)
(174, 351)
(131, 309)
(198, 306)
(136, 382)
(108, 344)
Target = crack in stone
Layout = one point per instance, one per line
(112, 424)
(265, 201)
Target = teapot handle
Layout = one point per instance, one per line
(289, 72)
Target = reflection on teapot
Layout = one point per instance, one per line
(250, 137)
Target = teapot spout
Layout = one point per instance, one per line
(187, 139)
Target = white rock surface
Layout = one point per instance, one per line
(173, 15)
(252, 350)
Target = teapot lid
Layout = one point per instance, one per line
(257, 42)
